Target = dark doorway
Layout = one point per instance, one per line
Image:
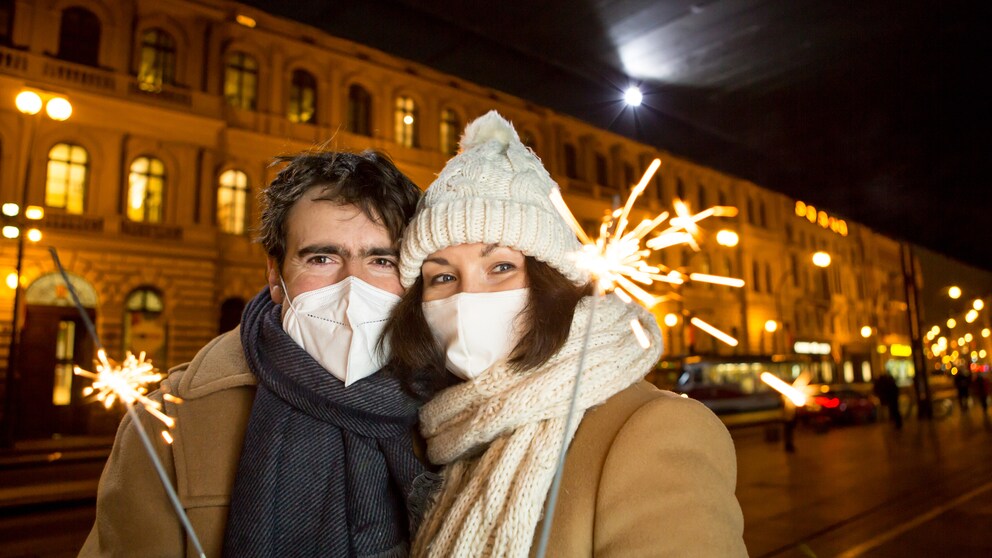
(50, 400)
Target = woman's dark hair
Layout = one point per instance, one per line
(420, 361)
(368, 180)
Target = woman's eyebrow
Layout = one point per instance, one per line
(488, 249)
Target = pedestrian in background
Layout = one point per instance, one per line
(980, 387)
(888, 393)
(962, 381)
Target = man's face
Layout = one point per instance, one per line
(326, 243)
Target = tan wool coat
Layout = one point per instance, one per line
(133, 513)
(649, 473)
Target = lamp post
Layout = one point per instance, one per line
(29, 103)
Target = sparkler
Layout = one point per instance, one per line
(792, 392)
(128, 382)
(617, 262)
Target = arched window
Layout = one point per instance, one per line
(79, 36)
(405, 122)
(762, 218)
(359, 110)
(232, 202)
(157, 66)
(241, 81)
(750, 212)
(571, 161)
(703, 202)
(145, 190)
(721, 198)
(628, 176)
(6, 20)
(680, 188)
(67, 178)
(451, 126)
(302, 97)
(144, 330)
(756, 276)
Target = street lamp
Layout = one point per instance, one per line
(954, 292)
(16, 218)
(819, 259)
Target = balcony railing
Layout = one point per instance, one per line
(165, 94)
(151, 230)
(73, 223)
(79, 75)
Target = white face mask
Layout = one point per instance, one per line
(476, 329)
(340, 325)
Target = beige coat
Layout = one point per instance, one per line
(133, 514)
(649, 473)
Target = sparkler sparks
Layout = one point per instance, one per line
(617, 260)
(127, 381)
(794, 394)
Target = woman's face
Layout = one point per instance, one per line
(472, 268)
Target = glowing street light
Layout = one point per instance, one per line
(771, 326)
(971, 316)
(866, 331)
(821, 259)
(633, 96)
(727, 238)
(951, 323)
(28, 102)
(954, 292)
(671, 320)
(978, 304)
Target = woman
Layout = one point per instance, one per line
(497, 301)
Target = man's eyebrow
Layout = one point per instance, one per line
(324, 249)
(380, 251)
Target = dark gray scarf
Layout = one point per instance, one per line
(324, 471)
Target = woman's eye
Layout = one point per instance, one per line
(504, 267)
(442, 278)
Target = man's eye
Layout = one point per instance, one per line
(383, 262)
(319, 260)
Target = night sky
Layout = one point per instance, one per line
(884, 123)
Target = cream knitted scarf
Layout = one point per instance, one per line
(499, 436)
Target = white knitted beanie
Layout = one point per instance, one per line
(495, 191)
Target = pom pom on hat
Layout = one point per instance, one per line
(495, 191)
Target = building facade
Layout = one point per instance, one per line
(150, 189)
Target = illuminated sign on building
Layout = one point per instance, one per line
(821, 218)
(900, 350)
(811, 348)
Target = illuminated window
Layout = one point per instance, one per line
(241, 81)
(144, 330)
(232, 202)
(157, 65)
(571, 161)
(405, 122)
(359, 111)
(65, 350)
(79, 36)
(302, 97)
(451, 126)
(145, 188)
(68, 174)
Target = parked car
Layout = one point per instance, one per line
(838, 406)
(727, 398)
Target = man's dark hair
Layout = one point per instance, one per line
(547, 318)
(368, 180)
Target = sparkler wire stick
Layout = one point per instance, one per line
(166, 483)
(556, 482)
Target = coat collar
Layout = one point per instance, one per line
(218, 366)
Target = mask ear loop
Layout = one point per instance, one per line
(285, 293)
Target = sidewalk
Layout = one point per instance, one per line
(52, 470)
(870, 490)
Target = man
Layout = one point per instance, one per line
(288, 443)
